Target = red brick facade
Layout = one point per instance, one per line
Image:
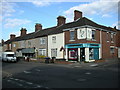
(103, 39)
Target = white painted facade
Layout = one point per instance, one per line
(56, 43)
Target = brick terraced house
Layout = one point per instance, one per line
(80, 40)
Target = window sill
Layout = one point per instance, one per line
(71, 40)
(112, 42)
(93, 40)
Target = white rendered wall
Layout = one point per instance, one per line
(59, 43)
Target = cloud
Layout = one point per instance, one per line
(117, 24)
(106, 15)
(7, 8)
(10, 23)
(103, 8)
(40, 3)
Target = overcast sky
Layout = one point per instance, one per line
(25, 13)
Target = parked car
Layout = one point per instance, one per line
(9, 57)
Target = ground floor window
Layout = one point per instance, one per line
(54, 52)
(112, 50)
(42, 52)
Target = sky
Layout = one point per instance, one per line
(26, 13)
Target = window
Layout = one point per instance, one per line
(54, 52)
(42, 52)
(93, 34)
(29, 43)
(42, 40)
(72, 35)
(54, 39)
(107, 36)
(112, 37)
(14, 45)
(112, 50)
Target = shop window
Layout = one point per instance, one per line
(54, 52)
(91, 53)
(54, 39)
(72, 35)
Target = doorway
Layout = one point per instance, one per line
(82, 54)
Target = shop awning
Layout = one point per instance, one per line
(28, 50)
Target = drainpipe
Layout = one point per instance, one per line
(100, 50)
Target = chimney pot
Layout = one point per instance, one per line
(77, 14)
(61, 20)
(38, 27)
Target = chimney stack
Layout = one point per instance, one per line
(115, 27)
(77, 14)
(38, 27)
(12, 36)
(23, 31)
(2, 42)
(61, 20)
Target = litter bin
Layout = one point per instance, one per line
(53, 59)
(47, 59)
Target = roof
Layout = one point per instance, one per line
(59, 29)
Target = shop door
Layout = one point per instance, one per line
(82, 54)
(96, 53)
(73, 54)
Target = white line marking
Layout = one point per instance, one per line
(26, 72)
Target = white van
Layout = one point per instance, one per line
(9, 56)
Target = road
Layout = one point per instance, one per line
(51, 76)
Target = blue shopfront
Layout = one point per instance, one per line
(83, 52)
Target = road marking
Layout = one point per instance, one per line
(29, 83)
(38, 70)
(81, 79)
(26, 72)
(94, 65)
(77, 66)
(88, 73)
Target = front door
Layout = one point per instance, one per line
(96, 53)
(82, 54)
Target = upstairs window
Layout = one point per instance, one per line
(42, 40)
(14, 45)
(93, 34)
(72, 35)
(107, 36)
(54, 39)
(112, 37)
(29, 43)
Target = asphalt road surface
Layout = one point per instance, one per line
(51, 76)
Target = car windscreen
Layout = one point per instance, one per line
(10, 55)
